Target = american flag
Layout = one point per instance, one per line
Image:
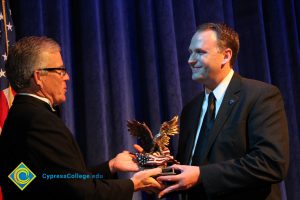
(7, 38)
(155, 159)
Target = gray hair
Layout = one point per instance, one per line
(24, 57)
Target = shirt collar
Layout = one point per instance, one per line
(38, 97)
(220, 90)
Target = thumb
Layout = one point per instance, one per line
(138, 148)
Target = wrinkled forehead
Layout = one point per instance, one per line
(204, 39)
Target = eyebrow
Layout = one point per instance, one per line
(198, 50)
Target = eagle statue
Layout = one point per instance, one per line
(156, 151)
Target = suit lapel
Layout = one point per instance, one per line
(230, 99)
(193, 126)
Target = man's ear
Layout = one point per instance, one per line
(37, 78)
(227, 56)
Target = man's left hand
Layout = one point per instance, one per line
(123, 162)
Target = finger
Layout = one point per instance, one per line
(152, 172)
(178, 167)
(163, 185)
(155, 191)
(150, 190)
(138, 148)
(156, 185)
(171, 178)
(132, 156)
(168, 190)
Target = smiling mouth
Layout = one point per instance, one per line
(193, 67)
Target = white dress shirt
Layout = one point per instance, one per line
(219, 93)
(38, 97)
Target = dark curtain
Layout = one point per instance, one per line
(128, 60)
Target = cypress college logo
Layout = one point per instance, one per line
(21, 176)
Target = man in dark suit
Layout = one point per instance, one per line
(234, 137)
(35, 135)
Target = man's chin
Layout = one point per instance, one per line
(198, 78)
(60, 101)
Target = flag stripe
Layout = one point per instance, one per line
(4, 109)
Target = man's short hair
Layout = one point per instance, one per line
(226, 37)
(24, 57)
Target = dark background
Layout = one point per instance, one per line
(127, 59)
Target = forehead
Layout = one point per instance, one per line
(52, 59)
(204, 39)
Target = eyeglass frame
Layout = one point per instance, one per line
(63, 70)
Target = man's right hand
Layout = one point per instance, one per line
(188, 177)
(142, 180)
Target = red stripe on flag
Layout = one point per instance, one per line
(4, 109)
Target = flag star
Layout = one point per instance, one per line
(2, 73)
(1, 16)
(9, 26)
(10, 11)
(4, 57)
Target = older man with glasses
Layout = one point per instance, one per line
(34, 135)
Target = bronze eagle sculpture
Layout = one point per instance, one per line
(156, 151)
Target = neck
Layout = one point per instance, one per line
(213, 83)
(40, 93)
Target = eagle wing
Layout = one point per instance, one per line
(167, 129)
(143, 134)
(164, 141)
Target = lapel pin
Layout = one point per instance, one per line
(231, 101)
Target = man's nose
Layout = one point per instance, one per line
(66, 77)
(192, 62)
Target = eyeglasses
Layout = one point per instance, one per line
(59, 70)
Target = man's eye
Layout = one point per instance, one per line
(199, 52)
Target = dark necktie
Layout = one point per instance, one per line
(207, 124)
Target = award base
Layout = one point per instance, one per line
(168, 171)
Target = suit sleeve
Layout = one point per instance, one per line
(52, 150)
(103, 168)
(266, 160)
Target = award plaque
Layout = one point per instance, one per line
(156, 152)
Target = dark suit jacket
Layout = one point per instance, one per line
(247, 151)
(35, 135)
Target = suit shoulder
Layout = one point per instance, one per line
(30, 113)
(259, 86)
